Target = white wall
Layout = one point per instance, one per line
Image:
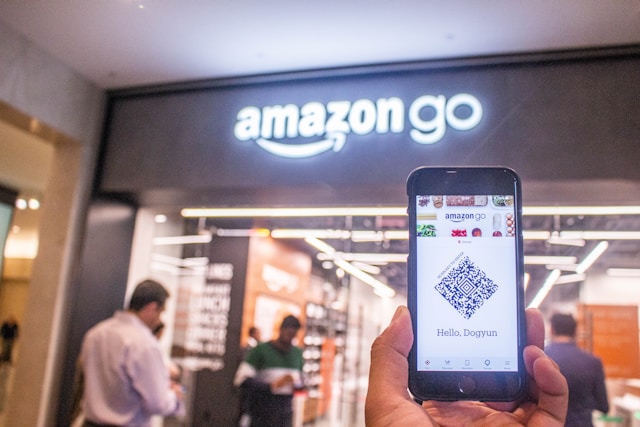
(602, 289)
(46, 91)
(605, 290)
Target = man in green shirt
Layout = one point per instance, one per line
(270, 374)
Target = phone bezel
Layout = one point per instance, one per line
(488, 386)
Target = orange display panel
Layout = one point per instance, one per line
(276, 285)
(611, 333)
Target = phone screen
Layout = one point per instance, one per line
(465, 289)
(466, 283)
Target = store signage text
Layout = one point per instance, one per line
(428, 115)
(279, 280)
(208, 319)
(459, 217)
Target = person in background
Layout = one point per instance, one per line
(270, 374)
(175, 371)
(126, 380)
(583, 371)
(388, 403)
(9, 332)
(252, 342)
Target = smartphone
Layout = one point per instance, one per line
(465, 284)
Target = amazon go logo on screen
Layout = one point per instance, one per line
(327, 126)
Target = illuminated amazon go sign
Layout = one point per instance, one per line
(330, 124)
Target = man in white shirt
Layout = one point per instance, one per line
(126, 380)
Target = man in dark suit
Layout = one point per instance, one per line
(583, 371)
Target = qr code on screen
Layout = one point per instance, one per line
(466, 287)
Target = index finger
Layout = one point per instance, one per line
(552, 389)
(389, 370)
(389, 365)
(388, 402)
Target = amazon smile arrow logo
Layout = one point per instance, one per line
(296, 151)
(335, 120)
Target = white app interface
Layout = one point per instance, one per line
(466, 283)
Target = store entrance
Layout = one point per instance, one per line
(342, 276)
(318, 267)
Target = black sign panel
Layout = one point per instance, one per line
(555, 120)
(212, 340)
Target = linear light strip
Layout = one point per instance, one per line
(570, 278)
(396, 234)
(623, 272)
(361, 236)
(600, 235)
(367, 268)
(291, 212)
(380, 288)
(569, 237)
(573, 237)
(555, 278)
(355, 235)
(177, 271)
(375, 257)
(389, 211)
(536, 234)
(592, 257)
(301, 233)
(181, 240)
(369, 258)
(367, 236)
(581, 210)
(321, 246)
(563, 267)
(544, 290)
(549, 259)
(562, 262)
(230, 232)
(181, 262)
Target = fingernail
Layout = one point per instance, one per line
(397, 313)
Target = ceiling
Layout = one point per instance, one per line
(127, 43)
(124, 43)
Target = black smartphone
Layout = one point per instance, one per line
(465, 284)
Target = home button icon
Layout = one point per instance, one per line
(466, 385)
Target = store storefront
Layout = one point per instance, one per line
(569, 125)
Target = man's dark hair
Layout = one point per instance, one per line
(563, 324)
(290, 322)
(146, 292)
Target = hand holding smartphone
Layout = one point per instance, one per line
(465, 290)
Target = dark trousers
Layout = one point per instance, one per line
(271, 410)
(88, 423)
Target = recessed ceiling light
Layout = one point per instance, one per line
(34, 204)
(21, 204)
